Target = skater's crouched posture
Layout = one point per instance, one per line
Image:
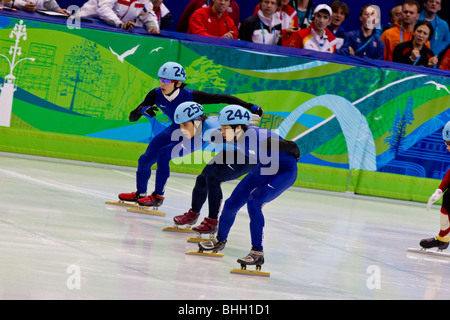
(167, 97)
(441, 241)
(276, 171)
(227, 165)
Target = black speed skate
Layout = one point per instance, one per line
(255, 257)
(433, 243)
(214, 245)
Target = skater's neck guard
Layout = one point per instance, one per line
(173, 95)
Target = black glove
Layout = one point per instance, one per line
(283, 145)
(151, 111)
(257, 110)
(136, 114)
(291, 147)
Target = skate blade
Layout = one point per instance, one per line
(122, 203)
(208, 254)
(146, 211)
(251, 272)
(197, 240)
(177, 229)
(428, 254)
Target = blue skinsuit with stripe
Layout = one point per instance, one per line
(263, 184)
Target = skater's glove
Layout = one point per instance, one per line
(257, 110)
(136, 114)
(149, 111)
(434, 197)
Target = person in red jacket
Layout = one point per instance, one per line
(183, 21)
(442, 239)
(213, 21)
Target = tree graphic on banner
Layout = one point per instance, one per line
(83, 67)
(398, 130)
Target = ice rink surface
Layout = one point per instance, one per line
(60, 241)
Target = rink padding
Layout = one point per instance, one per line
(126, 154)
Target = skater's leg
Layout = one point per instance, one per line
(273, 187)
(163, 167)
(237, 200)
(176, 148)
(200, 191)
(444, 233)
(148, 159)
(214, 180)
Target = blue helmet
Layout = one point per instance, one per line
(446, 132)
(172, 71)
(187, 111)
(234, 115)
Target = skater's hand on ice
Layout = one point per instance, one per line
(434, 197)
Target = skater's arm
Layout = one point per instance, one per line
(278, 144)
(209, 98)
(149, 100)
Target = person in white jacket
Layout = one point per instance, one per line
(32, 6)
(122, 13)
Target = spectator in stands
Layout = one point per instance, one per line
(364, 42)
(444, 59)
(163, 14)
(317, 36)
(441, 36)
(263, 27)
(305, 10)
(288, 17)
(110, 11)
(183, 22)
(340, 13)
(395, 16)
(401, 32)
(415, 51)
(213, 21)
(31, 6)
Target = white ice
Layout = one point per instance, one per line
(59, 240)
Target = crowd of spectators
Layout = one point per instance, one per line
(415, 33)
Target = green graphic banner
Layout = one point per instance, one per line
(360, 129)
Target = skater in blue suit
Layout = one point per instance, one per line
(167, 97)
(276, 171)
(228, 164)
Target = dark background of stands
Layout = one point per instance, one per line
(247, 7)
